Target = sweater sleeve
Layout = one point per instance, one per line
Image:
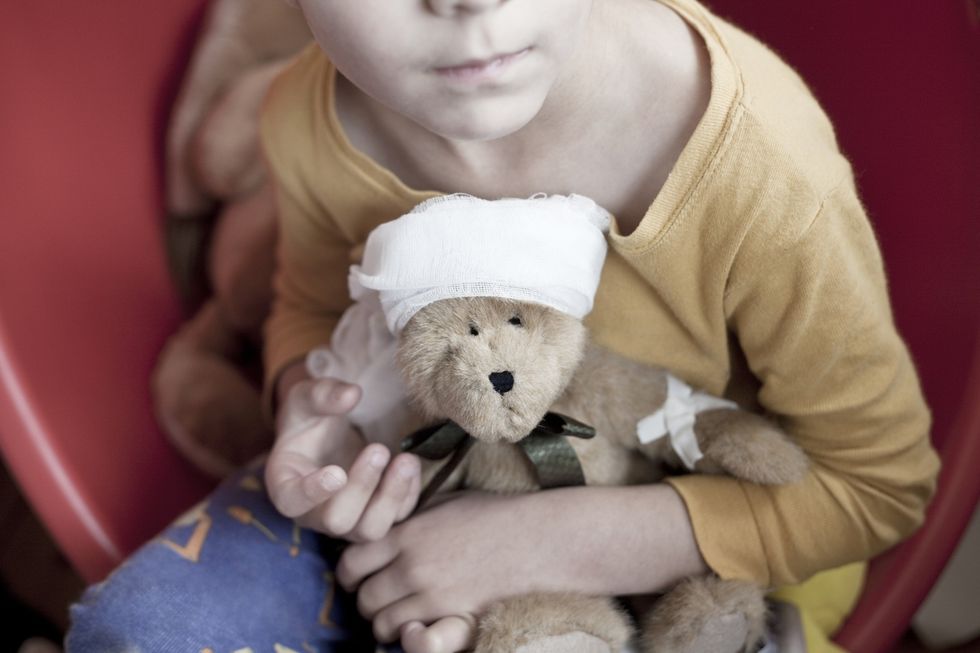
(310, 289)
(312, 255)
(810, 309)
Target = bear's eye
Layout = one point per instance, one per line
(474, 331)
(516, 321)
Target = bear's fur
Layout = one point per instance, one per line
(446, 354)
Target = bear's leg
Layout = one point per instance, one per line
(207, 407)
(706, 615)
(553, 623)
(577, 642)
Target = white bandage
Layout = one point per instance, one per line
(676, 419)
(545, 249)
(362, 351)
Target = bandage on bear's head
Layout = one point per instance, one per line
(547, 250)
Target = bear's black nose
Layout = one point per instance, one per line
(502, 381)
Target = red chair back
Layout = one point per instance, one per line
(85, 297)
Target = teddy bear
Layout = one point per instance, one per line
(497, 367)
(221, 233)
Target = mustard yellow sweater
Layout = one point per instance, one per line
(754, 274)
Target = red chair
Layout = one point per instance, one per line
(85, 297)
(86, 302)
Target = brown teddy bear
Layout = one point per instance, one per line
(493, 354)
(498, 381)
(221, 234)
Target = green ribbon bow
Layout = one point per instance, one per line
(547, 447)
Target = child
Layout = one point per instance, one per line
(740, 258)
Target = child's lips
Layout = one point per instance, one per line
(482, 69)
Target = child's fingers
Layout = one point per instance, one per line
(311, 400)
(362, 560)
(334, 397)
(294, 492)
(339, 516)
(448, 635)
(383, 508)
(411, 498)
(282, 468)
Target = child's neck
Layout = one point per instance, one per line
(612, 127)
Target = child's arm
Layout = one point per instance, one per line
(312, 253)
(808, 303)
(457, 557)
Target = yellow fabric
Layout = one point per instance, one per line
(817, 641)
(754, 274)
(824, 601)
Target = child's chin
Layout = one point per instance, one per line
(485, 119)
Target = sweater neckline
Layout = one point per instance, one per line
(367, 167)
(696, 161)
(689, 173)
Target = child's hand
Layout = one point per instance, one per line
(444, 565)
(452, 560)
(307, 476)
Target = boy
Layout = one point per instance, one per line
(740, 259)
